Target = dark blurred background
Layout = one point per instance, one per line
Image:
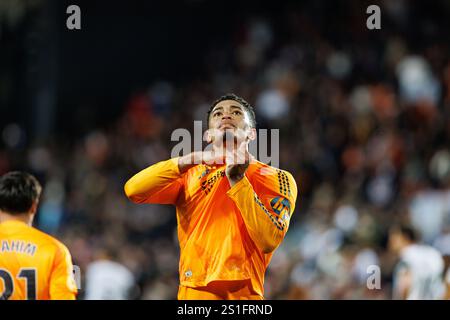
(364, 119)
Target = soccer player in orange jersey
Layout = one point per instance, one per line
(231, 214)
(33, 265)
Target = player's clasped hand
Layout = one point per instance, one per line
(229, 147)
(232, 151)
(235, 156)
(237, 160)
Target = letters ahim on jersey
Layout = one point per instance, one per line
(33, 264)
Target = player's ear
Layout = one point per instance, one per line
(208, 136)
(251, 134)
(34, 207)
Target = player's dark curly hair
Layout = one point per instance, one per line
(231, 96)
(18, 192)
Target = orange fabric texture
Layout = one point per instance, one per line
(220, 290)
(34, 265)
(225, 234)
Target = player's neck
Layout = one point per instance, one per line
(23, 217)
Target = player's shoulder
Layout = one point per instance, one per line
(264, 170)
(273, 178)
(47, 240)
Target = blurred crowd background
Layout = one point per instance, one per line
(364, 120)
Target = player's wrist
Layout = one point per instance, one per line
(187, 161)
(235, 173)
(235, 179)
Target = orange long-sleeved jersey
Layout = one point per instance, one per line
(33, 265)
(224, 233)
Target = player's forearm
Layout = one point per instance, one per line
(216, 156)
(152, 179)
(263, 227)
(188, 161)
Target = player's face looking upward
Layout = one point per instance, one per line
(231, 126)
(229, 116)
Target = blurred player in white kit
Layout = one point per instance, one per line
(419, 272)
(107, 279)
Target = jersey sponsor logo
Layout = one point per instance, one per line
(204, 173)
(208, 184)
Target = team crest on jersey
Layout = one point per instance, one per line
(281, 207)
(208, 184)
